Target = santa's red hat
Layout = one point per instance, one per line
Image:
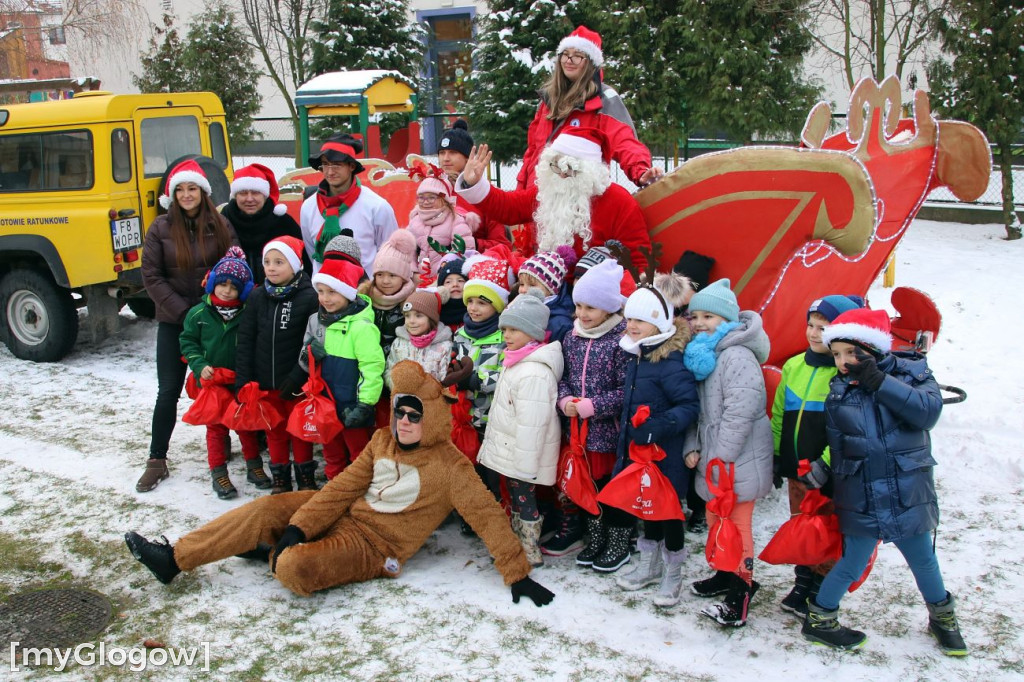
(186, 171)
(866, 328)
(290, 247)
(258, 178)
(341, 276)
(583, 143)
(586, 41)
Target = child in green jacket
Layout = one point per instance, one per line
(208, 341)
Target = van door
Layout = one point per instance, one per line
(163, 136)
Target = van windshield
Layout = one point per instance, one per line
(167, 139)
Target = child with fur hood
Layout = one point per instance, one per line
(725, 355)
(523, 433)
(422, 339)
(435, 220)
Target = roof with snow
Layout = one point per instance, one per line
(342, 92)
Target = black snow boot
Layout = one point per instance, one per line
(732, 611)
(222, 484)
(943, 624)
(697, 523)
(796, 600)
(616, 551)
(822, 627)
(157, 557)
(255, 474)
(305, 475)
(714, 586)
(598, 536)
(568, 538)
(282, 475)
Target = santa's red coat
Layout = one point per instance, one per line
(613, 215)
(488, 233)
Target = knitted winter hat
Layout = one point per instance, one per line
(344, 246)
(258, 178)
(186, 171)
(550, 267)
(601, 287)
(696, 267)
(457, 138)
(440, 186)
(648, 305)
(426, 302)
(452, 266)
(488, 279)
(397, 255)
(231, 268)
(868, 329)
(831, 307)
(341, 276)
(593, 257)
(586, 41)
(528, 314)
(579, 142)
(718, 299)
(290, 247)
(339, 149)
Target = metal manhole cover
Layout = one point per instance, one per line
(53, 618)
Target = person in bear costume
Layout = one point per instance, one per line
(368, 520)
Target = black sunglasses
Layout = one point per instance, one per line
(413, 415)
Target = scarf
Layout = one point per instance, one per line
(453, 312)
(514, 356)
(436, 217)
(226, 309)
(423, 340)
(332, 208)
(478, 330)
(635, 347)
(280, 291)
(382, 301)
(701, 353)
(598, 331)
(818, 359)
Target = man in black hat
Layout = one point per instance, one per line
(342, 202)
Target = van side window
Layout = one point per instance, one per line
(46, 161)
(218, 148)
(121, 155)
(167, 139)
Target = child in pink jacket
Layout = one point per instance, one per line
(435, 220)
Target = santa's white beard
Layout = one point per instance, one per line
(563, 204)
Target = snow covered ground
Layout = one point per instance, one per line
(73, 439)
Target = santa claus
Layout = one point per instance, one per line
(574, 201)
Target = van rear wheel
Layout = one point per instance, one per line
(40, 320)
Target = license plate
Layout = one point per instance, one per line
(126, 234)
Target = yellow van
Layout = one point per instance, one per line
(79, 184)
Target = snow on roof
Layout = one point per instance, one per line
(349, 81)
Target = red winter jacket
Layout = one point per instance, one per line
(607, 113)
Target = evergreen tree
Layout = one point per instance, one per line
(984, 85)
(163, 65)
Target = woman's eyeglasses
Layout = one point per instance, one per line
(427, 198)
(574, 59)
(413, 415)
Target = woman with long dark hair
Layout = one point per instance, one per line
(179, 250)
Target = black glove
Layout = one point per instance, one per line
(458, 371)
(319, 353)
(290, 389)
(818, 475)
(866, 372)
(472, 384)
(534, 590)
(358, 416)
(646, 433)
(292, 535)
(776, 473)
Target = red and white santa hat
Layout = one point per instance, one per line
(341, 276)
(586, 41)
(488, 279)
(290, 247)
(258, 178)
(862, 327)
(186, 171)
(583, 143)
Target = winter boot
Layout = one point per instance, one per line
(796, 600)
(672, 581)
(822, 627)
(943, 624)
(732, 610)
(255, 474)
(305, 476)
(697, 523)
(616, 551)
(714, 586)
(568, 538)
(529, 536)
(222, 484)
(156, 471)
(598, 534)
(649, 568)
(282, 475)
(157, 557)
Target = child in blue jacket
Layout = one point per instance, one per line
(878, 413)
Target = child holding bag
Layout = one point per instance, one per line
(726, 355)
(208, 340)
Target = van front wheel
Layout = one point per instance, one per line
(40, 320)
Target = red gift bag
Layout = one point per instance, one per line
(254, 410)
(315, 418)
(212, 398)
(809, 538)
(192, 386)
(464, 436)
(724, 548)
(574, 477)
(641, 489)
(867, 570)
